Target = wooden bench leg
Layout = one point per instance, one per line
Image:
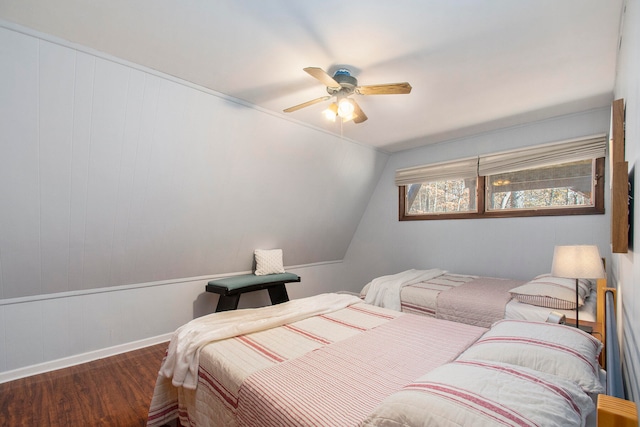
(278, 294)
(227, 302)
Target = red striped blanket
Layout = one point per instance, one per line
(459, 394)
(225, 366)
(340, 384)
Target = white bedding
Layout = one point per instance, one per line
(421, 298)
(458, 394)
(385, 291)
(519, 311)
(225, 365)
(339, 385)
(181, 362)
(519, 373)
(344, 362)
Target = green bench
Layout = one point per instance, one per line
(231, 288)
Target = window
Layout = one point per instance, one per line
(564, 185)
(556, 179)
(440, 197)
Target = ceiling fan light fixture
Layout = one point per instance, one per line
(331, 112)
(342, 85)
(345, 108)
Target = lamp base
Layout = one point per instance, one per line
(585, 328)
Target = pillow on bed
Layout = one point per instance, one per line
(477, 393)
(268, 261)
(552, 292)
(556, 349)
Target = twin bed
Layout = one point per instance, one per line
(334, 360)
(481, 300)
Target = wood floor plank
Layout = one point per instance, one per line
(114, 391)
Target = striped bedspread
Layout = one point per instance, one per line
(327, 354)
(421, 298)
(480, 302)
(340, 384)
(461, 298)
(224, 365)
(458, 394)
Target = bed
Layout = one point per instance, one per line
(482, 300)
(333, 360)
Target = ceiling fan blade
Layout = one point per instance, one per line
(322, 75)
(385, 89)
(306, 104)
(360, 116)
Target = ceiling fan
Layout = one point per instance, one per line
(342, 85)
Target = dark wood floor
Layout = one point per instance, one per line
(115, 391)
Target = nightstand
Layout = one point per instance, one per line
(593, 328)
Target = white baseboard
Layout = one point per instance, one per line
(185, 298)
(79, 359)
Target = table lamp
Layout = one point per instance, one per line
(577, 262)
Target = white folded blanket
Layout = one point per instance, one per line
(181, 363)
(384, 291)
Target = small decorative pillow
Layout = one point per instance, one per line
(552, 292)
(546, 347)
(268, 261)
(486, 394)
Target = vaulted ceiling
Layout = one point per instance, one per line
(474, 65)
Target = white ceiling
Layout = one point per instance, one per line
(474, 65)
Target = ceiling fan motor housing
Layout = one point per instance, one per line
(347, 82)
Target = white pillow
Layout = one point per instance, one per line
(556, 349)
(475, 393)
(268, 261)
(552, 292)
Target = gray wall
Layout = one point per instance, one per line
(114, 176)
(123, 190)
(625, 269)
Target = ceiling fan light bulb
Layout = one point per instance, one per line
(329, 115)
(331, 112)
(345, 108)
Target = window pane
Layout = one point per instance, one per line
(564, 185)
(441, 197)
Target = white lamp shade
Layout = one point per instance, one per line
(577, 262)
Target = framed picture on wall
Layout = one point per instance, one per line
(619, 181)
